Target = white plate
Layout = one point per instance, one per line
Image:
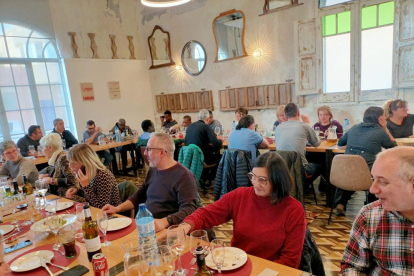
(30, 261)
(60, 206)
(405, 141)
(118, 223)
(233, 259)
(41, 225)
(4, 229)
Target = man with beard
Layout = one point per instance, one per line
(170, 190)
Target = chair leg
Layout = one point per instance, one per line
(333, 203)
(314, 194)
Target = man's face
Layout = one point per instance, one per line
(394, 193)
(60, 126)
(153, 152)
(37, 135)
(151, 129)
(91, 128)
(11, 154)
(210, 119)
(121, 125)
(168, 117)
(186, 122)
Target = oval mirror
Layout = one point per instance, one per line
(193, 58)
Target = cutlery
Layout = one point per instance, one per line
(61, 267)
(112, 217)
(211, 271)
(42, 263)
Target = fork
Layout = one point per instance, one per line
(61, 267)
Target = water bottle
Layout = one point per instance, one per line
(146, 229)
(117, 135)
(233, 126)
(345, 127)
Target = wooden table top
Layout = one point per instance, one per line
(115, 254)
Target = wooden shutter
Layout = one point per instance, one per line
(171, 102)
(307, 57)
(403, 74)
(285, 95)
(199, 100)
(251, 97)
(191, 101)
(177, 101)
(207, 101)
(232, 98)
(184, 102)
(158, 102)
(164, 103)
(224, 104)
(241, 97)
(260, 96)
(273, 95)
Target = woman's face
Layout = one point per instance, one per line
(282, 117)
(324, 117)
(238, 116)
(261, 187)
(49, 152)
(401, 112)
(75, 166)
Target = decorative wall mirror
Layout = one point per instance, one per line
(194, 58)
(228, 30)
(278, 5)
(160, 48)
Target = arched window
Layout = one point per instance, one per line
(32, 86)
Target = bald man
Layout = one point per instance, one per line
(382, 236)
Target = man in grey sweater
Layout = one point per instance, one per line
(15, 165)
(32, 138)
(293, 136)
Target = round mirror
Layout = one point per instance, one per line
(193, 58)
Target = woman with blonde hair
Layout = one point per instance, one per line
(240, 112)
(399, 122)
(325, 115)
(57, 175)
(97, 183)
(280, 115)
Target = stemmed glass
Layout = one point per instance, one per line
(317, 131)
(164, 263)
(54, 221)
(176, 240)
(218, 253)
(217, 130)
(14, 209)
(41, 187)
(64, 144)
(199, 237)
(80, 216)
(103, 226)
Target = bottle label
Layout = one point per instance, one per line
(87, 213)
(93, 245)
(146, 228)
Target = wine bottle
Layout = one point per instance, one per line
(201, 262)
(91, 234)
(15, 186)
(27, 188)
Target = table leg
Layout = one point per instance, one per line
(114, 163)
(134, 165)
(330, 189)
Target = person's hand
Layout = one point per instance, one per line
(71, 192)
(186, 227)
(83, 178)
(412, 136)
(305, 118)
(326, 133)
(161, 224)
(106, 139)
(383, 122)
(36, 154)
(98, 129)
(48, 180)
(109, 209)
(41, 176)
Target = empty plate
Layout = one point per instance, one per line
(4, 229)
(118, 223)
(60, 206)
(30, 261)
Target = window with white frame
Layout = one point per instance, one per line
(32, 90)
(326, 3)
(372, 41)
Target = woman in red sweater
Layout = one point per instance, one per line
(268, 223)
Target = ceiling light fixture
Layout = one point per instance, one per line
(257, 54)
(163, 3)
(178, 68)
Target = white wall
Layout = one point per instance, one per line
(135, 105)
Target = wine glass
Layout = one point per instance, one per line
(32, 149)
(217, 130)
(54, 221)
(165, 261)
(262, 132)
(41, 187)
(63, 143)
(80, 216)
(102, 219)
(176, 240)
(199, 237)
(317, 131)
(24, 204)
(14, 209)
(218, 253)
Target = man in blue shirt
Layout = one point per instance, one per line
(90, 136)
(148, 128)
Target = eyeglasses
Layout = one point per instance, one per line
(260, 179)
(10, 152)
(148, 149)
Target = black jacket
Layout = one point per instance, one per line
(232, 172)
(311, 260)
(68, 137)
(294, 164)
(200, 134)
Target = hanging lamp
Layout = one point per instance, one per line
(163, 3)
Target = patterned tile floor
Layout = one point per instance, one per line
(331, 239)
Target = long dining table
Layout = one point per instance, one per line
(115, 254)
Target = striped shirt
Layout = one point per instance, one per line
(380, 243)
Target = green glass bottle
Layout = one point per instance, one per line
(27, 188)
(201, 262)
(91, 234)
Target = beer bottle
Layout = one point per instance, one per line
(27, 188)
(91, 234)
(201, 262)
(7, 190)
(15, 186)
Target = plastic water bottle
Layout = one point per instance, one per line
(233, 126)
(345, 127)
(146, 228)
(117, 135)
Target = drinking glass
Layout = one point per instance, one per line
(102, 219)
(63, 143)
(41, 187)
(176, 240)
(262, 132)
(32, 149)
(24, 206)
(67, 238)
(14, 203)
(217, 130)
(218, 253)
(164, 261)
(136, 263)
(54, 221)
(199, 237)
(111, 137)
(80, 216)
(317, 131)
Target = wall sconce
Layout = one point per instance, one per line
(179, 68)
(258, 54)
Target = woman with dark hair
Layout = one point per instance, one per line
(246, 138)
(268, 223)
(240, 113)
(399, 122)
(366, 140)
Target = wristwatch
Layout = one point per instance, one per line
(170, 220)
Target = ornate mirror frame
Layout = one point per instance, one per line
(215, 35)
(169, 49)
(183, 53)
(267, 10)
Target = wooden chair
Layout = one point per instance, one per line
(351, 173)
(142, 152)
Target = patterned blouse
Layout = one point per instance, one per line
(102, 190)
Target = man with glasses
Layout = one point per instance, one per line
(65, 134)
(170, 190)
(32, 138)
(90, 136)
(16, 165)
